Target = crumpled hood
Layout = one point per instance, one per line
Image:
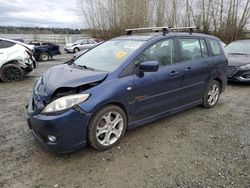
(67, 76)
(238, 60)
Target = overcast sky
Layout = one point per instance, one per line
(41, 13)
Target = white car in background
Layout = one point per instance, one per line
(79, 45)
(16, 60)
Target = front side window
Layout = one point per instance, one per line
(216, 47)
(109, 55)
(163, 52)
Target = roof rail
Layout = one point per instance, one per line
(163, 29)
(190, 29)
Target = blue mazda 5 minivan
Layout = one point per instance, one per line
(123, 83)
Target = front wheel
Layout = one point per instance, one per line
(212, 94)
(107, 127)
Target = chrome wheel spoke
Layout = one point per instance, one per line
(101, 131)
(117, 120)
(107, 118)
(210, 99)
(117, 132)
(106, 140)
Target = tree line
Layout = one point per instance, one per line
(39, 30)
(226, 19)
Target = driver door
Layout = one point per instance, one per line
(158, 92)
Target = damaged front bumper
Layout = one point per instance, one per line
(237, 75)
(68, 129)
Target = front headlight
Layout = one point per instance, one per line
(245, 67)
(64, 103)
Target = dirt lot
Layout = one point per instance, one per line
(195, 148)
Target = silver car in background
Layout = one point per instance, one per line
(83, 44)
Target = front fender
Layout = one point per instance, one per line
(110, 92)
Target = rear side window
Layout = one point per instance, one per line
(6, 44)
(215, 47)
(192, 49)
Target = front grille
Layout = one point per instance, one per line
(231, 70)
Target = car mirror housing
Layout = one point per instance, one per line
(149, 66)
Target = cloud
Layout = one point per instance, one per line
(41, 13)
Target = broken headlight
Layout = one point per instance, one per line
(65, 102)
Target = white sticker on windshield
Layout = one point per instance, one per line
(131, 46)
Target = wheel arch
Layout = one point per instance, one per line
(115, 103)
(218, 79)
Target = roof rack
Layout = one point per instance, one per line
(190, 29)
(156, 29)
(165, 30)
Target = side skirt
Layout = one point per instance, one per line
(152, 118)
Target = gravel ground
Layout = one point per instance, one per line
(194, 148)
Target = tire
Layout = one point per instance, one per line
(103, 132)
(76, 50)
(44, 56)
(11, 73)
(212, 94)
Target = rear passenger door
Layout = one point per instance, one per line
(194, 61)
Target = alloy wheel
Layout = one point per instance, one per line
(213, 94)
(109, 128)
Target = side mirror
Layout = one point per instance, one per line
(149, 66)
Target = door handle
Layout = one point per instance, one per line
(173, 73)
(188, 69)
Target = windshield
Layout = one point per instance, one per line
(239, 47)
(109, 55)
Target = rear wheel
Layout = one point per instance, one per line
(11, 72)
(107, 127)
(44, 56)
(212, 94)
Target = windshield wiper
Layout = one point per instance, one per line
(85, 67)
